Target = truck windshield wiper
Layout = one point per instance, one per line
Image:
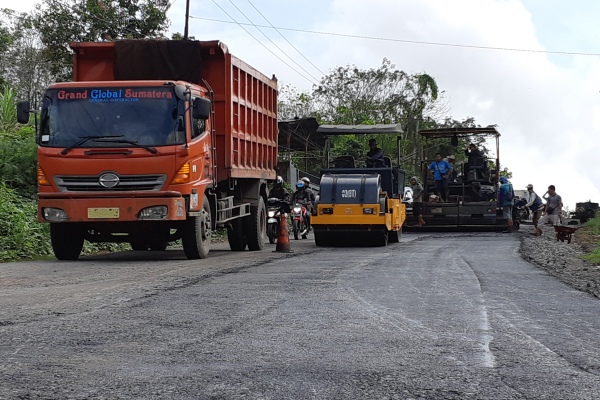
(82, 140)
(131, 142)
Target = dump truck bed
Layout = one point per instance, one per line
(245, 100)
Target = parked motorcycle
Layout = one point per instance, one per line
(276, 207)
(300, 221)
(519, 213)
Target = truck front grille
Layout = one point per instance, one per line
(92, 183)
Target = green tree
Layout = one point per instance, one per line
(384, 95)
(63, 21)
(24, 66)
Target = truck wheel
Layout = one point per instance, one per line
(138, 245)
(197, 235)
(235, 235)
(158, 246)
(67, 241)
(256, 226)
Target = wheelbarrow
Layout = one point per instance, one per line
(564, 232)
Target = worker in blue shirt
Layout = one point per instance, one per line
(506, 198)
(440, 169)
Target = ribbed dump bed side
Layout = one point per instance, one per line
(245, 100)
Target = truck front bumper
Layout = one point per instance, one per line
(122, 207)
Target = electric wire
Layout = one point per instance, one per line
(284, 38)
(241, 25)
(272, 42)
(468, 46)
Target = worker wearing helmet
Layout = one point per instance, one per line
(278, 190)
(304, 195)
(311, 194)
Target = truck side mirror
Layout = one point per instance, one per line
(23, 110)
(201, 108)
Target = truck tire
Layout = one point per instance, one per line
(158, 246)
(138, 245)
(256, 226)
(67, 241)
(235, 235)
(197, 235)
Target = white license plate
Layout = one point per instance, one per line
(103, 212)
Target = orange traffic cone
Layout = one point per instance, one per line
(283, 239)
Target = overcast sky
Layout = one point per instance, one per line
(545, 102)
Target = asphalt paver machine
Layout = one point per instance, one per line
(472, 200)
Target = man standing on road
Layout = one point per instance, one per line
(534, 203)
(505, 200)
(417, 200)
(440, 169)
(552, 210)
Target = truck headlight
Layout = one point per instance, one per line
(155, 212)
(54, 214)
(368, 211)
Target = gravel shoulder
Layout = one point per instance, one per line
(560, 259)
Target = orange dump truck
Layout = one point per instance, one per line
(156, 141)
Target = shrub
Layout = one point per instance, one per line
(21, 236)
(18, 161)
(592, 228)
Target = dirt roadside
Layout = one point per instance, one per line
(561, 259)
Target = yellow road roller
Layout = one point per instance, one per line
(359, 205)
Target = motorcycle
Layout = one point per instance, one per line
(276, 207)
(519, 213)
(300, 221)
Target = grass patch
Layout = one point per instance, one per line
(591, 231)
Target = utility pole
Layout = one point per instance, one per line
(187, 17)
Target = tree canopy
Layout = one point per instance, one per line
(60, 22)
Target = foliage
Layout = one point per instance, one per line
(18, 161)
(592, 229)
(385, 95)
(22, 64)
(293, 104)
(21, 236)
(8, 111)
(62, 21)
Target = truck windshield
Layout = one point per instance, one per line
(148, 116)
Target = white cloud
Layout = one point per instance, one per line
(546, 106)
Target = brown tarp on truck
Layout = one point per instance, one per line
(158, 60)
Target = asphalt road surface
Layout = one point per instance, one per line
(437, 316)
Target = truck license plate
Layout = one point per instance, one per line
(103, 212)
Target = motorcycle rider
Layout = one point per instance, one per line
(309, 190)
(305, 197)
(278, 191)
